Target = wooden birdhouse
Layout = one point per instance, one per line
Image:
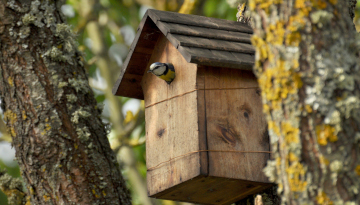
(206, 137)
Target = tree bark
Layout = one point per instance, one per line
(60, 140)
(307, 64)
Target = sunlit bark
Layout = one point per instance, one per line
(307, 64)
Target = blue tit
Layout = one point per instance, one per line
(165, 71)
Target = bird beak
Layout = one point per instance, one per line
(149, 71)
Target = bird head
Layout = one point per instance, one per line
(157, 68)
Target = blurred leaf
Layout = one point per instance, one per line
(92, 70)
(231, 14)
(105, 3)
(3, 198)
(13, 171)
(210, 7)
(100, 98)
(140, 154)
(222, 8)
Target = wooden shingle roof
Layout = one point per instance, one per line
(200, 40)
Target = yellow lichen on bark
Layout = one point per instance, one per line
(296, 176)
(277, 82)
(323, 160)
(357, 169)
(333, 2)
(308, 108)
(275, 33)
(260, 46)
(293, 39)
(23, 115)
(320, 4)
(293, 157)
(46, 198)
(263, 3)
(11, 81)
(274, 127)
(11, 118)
(322, 198)
(291, 133)
(325, 133)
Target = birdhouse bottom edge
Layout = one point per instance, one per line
(212, 190)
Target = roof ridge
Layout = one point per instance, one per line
(197, 20)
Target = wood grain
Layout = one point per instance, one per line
(209, 33)
(171, 131)
(214, 44)
(235, 122)
(208, 57)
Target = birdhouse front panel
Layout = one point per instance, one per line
(171, 121)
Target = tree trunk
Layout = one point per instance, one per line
(60, 140)
(307, 64)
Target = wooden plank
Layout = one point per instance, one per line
(200, 21)
(201, 112)
(224, 55)
(171, 131)
(212, 190)
(203, 56)
(182, 29)
(235, 122)
(185, 80)
(213, 44)
(245, 58)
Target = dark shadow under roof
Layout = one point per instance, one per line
(201, 40)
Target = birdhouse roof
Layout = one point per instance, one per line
(200, 40)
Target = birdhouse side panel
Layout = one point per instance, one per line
(235, 122)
